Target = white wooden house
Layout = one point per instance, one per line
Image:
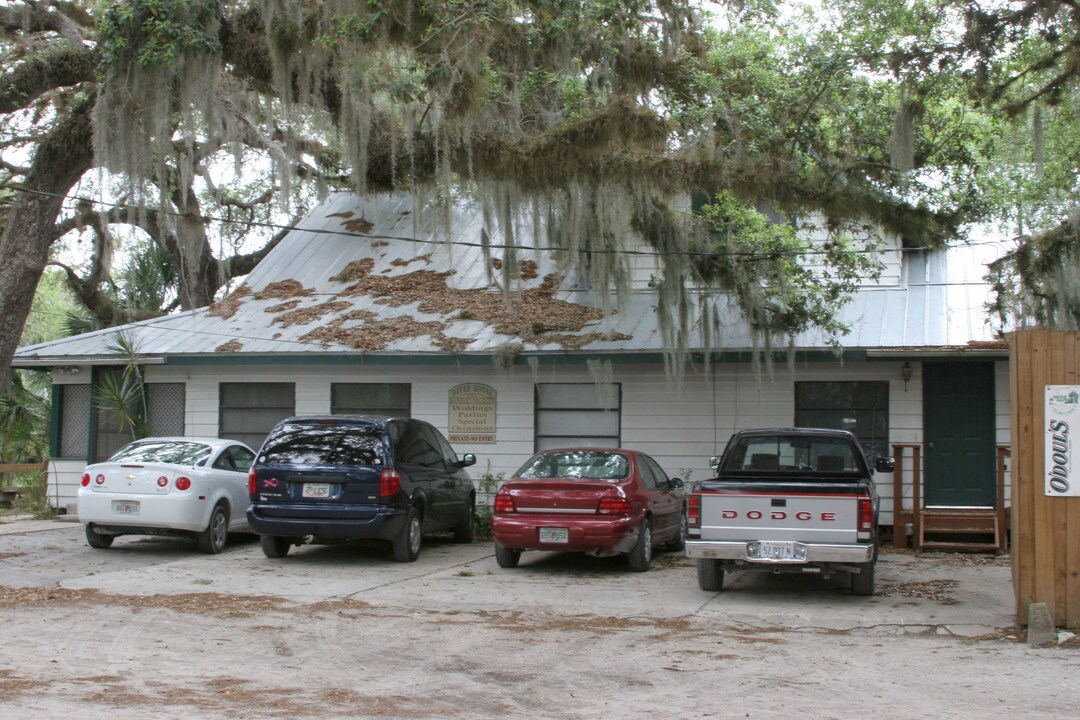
(363, 307)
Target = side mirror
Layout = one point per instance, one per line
(675, 483)
(714, 462)
(466, 460)
(885, 464)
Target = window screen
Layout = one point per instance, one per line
(394, 399)
(165, 408)
(577, 415)
(74, 421)
(861, 408)
(248, 411)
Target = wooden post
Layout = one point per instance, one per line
(1045, 530)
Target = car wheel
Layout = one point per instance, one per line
(275, 546)
(710, 575)
(212, 540)
(679, 541)
(640, 557)
(96, 540)
(407, 544)
(506, 557)
(465, 532)
(862, 582)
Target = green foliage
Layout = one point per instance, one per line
(24, 420)
(148, 281)
(156, 32)
(122, 394)
(486, 485)
(785, 283)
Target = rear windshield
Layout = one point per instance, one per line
(324, 445)
(174, 452)
(801, 453)
(578, 464)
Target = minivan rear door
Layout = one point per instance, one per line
(325, 462)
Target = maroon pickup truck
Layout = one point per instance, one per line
(791, 500)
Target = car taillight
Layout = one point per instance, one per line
(100, 479)
(389, 483)
(866, 515)
(504, 503)
(162, 481)
(86, 479)
(693, 511)
(613, 506)
(251, 482)
(183, 483)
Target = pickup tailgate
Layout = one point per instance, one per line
(801, 512)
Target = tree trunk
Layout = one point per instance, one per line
(61, 159)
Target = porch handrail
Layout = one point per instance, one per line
(901, 515)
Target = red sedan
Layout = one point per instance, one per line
(592, 500)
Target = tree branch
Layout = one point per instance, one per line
(59, 66)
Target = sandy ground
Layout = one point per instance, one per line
(153, 629)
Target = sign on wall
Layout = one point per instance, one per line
(472, 413)
(1062, 422)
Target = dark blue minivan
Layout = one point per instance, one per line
(346, 477)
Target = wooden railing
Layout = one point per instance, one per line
(902, 515)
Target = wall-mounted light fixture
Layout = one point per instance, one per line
(69, 370)
(905, 373)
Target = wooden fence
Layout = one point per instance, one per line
(1045, 530)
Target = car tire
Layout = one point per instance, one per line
(679, 541)
(710, 575)
(862, 582)
(506, 557)
(98, 541)
(640, 556)
(275, 546)
(407, 543)
(465, 532)
(213, 539)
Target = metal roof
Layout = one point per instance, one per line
(398, 250)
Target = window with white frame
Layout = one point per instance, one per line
(394, 399)
(578, 415)
(248, 411)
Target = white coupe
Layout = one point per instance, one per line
(168, 486)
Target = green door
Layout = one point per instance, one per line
(958, 419)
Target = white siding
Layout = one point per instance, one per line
(681, 424)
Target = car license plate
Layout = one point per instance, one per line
(125, 507)
(777, 550)
(554, 535)
(316, 490)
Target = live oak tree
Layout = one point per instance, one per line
(585, 118)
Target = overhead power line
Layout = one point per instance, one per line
(508, 246)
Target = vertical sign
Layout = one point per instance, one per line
(1062, 421)
(472, 413)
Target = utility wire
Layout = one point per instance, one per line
(504, 246)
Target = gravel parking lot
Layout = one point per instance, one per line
(152, 628)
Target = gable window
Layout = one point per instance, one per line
(861, 408)
(393, 399)
(577, 415)
(248, 411)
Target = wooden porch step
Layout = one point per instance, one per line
(940, 545)
(960, 521)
